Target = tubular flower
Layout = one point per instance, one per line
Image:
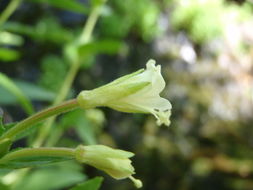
(134, 93)
(114, 162)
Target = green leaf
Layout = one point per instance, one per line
(57, 176)
(92, 184)
(102, 46)
(85, 129)
(47, 29)
(9, 54)
(8, 84)
(5, 145)
(70, 5)
(3, 128)
(97, 2)
(115, 26)
(20, 28)
(32, 91)
(35, 92)
(4, 187)
(7, 38)
(28, 131)
(53, 70)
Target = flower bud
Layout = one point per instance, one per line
(114, 162)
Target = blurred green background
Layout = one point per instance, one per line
(206, 53)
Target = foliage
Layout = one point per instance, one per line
(121, 19)
(92, 184)
(205, 49)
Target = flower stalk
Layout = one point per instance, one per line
(38, 117)
(43, 151)
(38, 152)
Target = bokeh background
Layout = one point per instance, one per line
(206, 53)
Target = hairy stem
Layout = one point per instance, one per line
(38, 117)
(28, 152)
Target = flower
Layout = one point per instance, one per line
(134, 93)
(114, 162)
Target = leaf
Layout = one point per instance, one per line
(47, 30)
(27, 132)
(8, 84)
(32, 91)
(35, 92)
(7, 38)
(70, 5)
(9, 54)
(97, 2)
(84, 128)
(4, 187)
(5, 145)
(92, 184)
(102, 46)
(53, 70)
(9, 125)
(57, 176)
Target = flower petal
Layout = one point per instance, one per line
(159, 107)
(151, 74)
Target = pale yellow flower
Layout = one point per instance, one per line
(138, 92)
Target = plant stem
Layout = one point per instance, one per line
(8, 11)
(43, 132)
(28, 152)
(84, 38)
(89, 26)
(38, 117)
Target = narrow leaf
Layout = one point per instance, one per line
(103, 46)
(11, 87)
(7, 54)
(8, 38)
(56, 176)
(31, 91)
(5, 146)
(92, 184)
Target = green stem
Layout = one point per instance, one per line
(43, 132)
(28, 152)
(84, 38)
(38, 117)
(8, 11)
(89, 26)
